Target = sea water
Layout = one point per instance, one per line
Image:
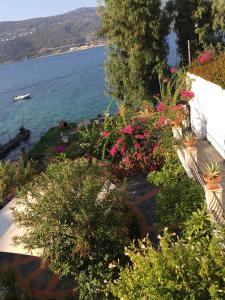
(68, 87)
(64, 87)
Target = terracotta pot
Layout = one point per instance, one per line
(212, 183)
(190, 144)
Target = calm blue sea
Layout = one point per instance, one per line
(68, 86)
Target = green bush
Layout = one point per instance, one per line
(80, 233)
(212, 70)
(186, 268)
(177, 200)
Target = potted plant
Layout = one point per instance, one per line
(212, 175)
(189, 140)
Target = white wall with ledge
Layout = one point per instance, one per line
(208, 112)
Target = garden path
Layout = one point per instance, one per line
(142, 200)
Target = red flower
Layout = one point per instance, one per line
(129, 129)
(137, 146)
(105, 134)
(112, 152)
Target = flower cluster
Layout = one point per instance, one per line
(186, 95)
(205, 57)
(132, 147)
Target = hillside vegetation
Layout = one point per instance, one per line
(41, 36)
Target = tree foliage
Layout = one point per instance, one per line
(199, 21)
(135, 32)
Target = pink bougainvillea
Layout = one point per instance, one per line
(105, 134)
(113, 151)
(186, 95)
(137, 146)
(129, 129)
(205, 56)
(161, 122)
(140, 136)
(161, 107)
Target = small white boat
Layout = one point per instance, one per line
(21, 97)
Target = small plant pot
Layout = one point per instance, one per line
(190, 145)
(212, 183)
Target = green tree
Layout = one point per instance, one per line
(199, 21)
(192, 267)
(135, 32)
(79, 229)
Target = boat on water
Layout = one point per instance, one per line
(21, 97)
(23, 135)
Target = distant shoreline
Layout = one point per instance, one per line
(78, 49)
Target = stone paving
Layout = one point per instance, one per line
(45, 284)
(206, 154)
(39, 280)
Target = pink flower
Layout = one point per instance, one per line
(137, 146)
(173, 70)
(122, 148)
(129, 129)
(112, 152)
(187, 94)
(205, 56)
(119, 141)
(161, 122)
(139, 156)
(105, 134)
(140, 136)
(161, 107)
(60, 149)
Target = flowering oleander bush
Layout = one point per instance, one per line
(211, 70)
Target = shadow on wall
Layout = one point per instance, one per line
(199, 123)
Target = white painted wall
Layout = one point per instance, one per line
(208, 112)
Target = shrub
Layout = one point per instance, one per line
(183, 268)
(80, 227)
(212, 70)
(177, 200)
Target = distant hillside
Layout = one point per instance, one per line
(42, 36)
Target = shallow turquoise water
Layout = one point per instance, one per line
(69, 86)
